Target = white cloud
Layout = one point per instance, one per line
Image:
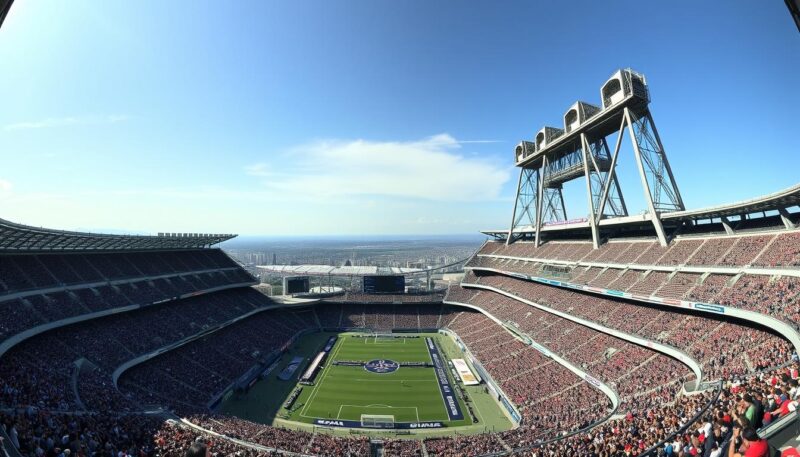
(431, 169)
(66, 122)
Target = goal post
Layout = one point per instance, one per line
(377, 421)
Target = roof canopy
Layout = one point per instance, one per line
(325, 270)
(17, 237)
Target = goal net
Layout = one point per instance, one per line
(377, 421)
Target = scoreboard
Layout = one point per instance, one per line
(295, 285)
(384, 284)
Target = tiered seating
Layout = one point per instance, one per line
(429, 316)
(586, 347)
(625, 280)
(41, 279)
(586, 275)
(783, 252)
(777, 296)
(679, 253)
(633, 251)
(711, 252)
(359, 297)
(606, 277)
(212, 363)
(650, 283)
(775, 249)
(39, 373)
(709, 289)
(745, 250)
(651, 254)
(26, 272)
(108, 342)
(697, 335)
(549, 396)
(678, 286)
(406, 316)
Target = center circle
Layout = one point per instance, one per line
(381, 366)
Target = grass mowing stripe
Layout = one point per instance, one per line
(339, 344)
(407, 388)
(340, 386)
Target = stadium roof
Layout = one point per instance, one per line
(16, 237)
(326, 270)
(777, 201)
(782, 199)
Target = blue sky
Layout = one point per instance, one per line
(365, 117)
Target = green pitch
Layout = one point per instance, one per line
(409, 394)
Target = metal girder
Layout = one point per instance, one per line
(583, 151)
(589, 194)
(615, 203)
(787, 221)
(726, 224)
(539, 199)
(525, 204)
(648, 195)
(665, 193)
(555, 211)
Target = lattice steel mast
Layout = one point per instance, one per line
(581, 149)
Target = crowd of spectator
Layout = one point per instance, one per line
(38, 432)
(777, 296)
(722, 346)
(464, 445)
(379, 317)
(360, 297)
(775, 250)
(24, 310)
(704, 420)
(32, 272)
(550, 397)
(58, 397)
(38, 371)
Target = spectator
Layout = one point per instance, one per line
(751, 445)
(197, 449)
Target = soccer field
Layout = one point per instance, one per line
(341, 395)
(410, 394)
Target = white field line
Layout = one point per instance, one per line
(319, 383)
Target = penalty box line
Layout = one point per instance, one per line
(347, 378)
(416, 410)
(389, 341)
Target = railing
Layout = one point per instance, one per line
(653, 450)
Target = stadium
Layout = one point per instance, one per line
(616, 334)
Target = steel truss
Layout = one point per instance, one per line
(525, 208)
(540, 201)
